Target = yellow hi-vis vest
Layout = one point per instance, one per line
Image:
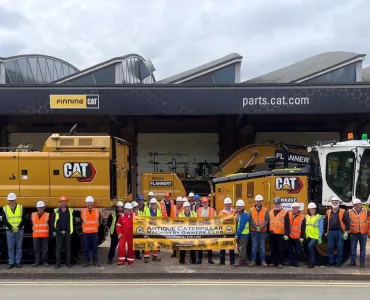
(144, 212)
(15, 218)
(193, 214)
(113, 226)
(246, 228)
(70, 219)
(312, 226)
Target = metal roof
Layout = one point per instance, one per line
(202, 69)
(366, 74)
(5, 59)
(308, 68)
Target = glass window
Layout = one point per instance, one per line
(85, 79)
(11, 70)
(204, 79)
(34, 70)
(50, 70)
(22, 64)
(345, 74)
(340, 168)
(18, 74)
(363, 181)
(225, 75)
(106, 75)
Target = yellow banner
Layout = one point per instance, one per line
(216, 233)
(74, 101)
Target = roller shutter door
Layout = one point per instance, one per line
(297, 138)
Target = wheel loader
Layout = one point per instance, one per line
(71, 166)
(339, 169)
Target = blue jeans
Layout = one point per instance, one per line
(355, 239)
(90, 241)
(258, 243)
(335, 241)
(311, 250)
(15, 241)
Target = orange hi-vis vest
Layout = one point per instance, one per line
(359, 222)
(178, 211)
(211, 212)
(295, 225)
(277, 224)
(341, 214)
(90, 221)
(164, 210)
(258, 217)
(40, 228)
(225, 213)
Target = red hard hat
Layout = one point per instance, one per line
(204, 199)
(167, 194)
(63, 198)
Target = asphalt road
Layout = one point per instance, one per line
(183, 290)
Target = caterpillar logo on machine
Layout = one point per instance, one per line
(293, 185)
(82, 171)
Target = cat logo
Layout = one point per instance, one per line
(82, 171)
(293, 185)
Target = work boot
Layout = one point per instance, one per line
(280, 266)
(238, 265)
(69, 265)
(36, 264)
(263, 264)
(138, 256)
(57, 266)
(85, 265)
(10, 267)
(271, 265)
(252, 264)
(362, 265)
(199, 262)
(296, 265)
(173, 254)
(96, 264)
(109, 262)
(156, 258)
(221, 263)
(351, 264)
(310, 266)
(45, 264)
(211, 262)
(337, 265)
(330, 265)
(146, 260)
(18, 266)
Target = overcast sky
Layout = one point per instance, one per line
(181, 34)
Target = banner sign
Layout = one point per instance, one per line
(216, 233)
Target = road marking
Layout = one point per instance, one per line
(192, 283)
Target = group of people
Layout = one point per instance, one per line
(61, 224)
(284, 228)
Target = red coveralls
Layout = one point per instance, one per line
(125, 226)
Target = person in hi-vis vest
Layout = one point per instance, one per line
(91, 218)
(40, 233)
(14, 218)
(63, 223)
(111, 223)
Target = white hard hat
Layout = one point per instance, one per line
(184, 199)
(12, 197)
(334, 198)
(186, 204)
(179, 199)
(311, 205)
(258, 198)
(89, 199)
(134, 204)
(153, 200)
(40, 204)
(228, 201)
(128, 206)
(150, 194)
(191, 194)
(240, 203)
(119, 204)
(296, 204)
(356, 201)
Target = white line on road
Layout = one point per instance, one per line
(192, 283)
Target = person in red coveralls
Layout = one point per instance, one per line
(124, 228)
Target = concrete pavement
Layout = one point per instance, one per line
(181, 290)
(170, 269)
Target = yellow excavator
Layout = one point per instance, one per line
(71, 166)
(247, 159)
(336, 169)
